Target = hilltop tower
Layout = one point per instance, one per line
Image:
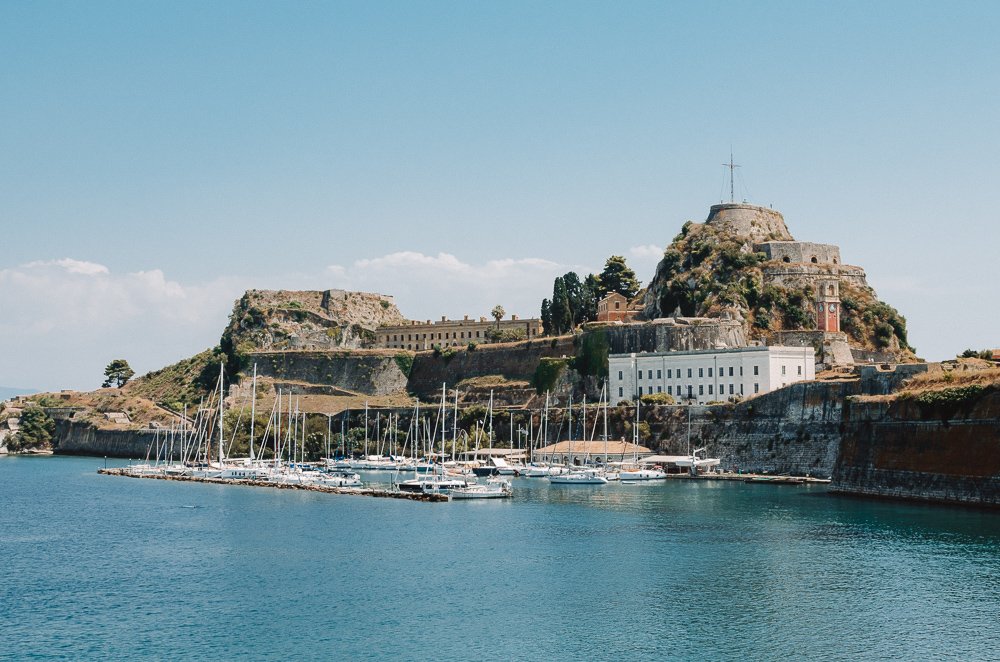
(828, 306)
(749, 221)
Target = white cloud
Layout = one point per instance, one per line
(647, 251)
(62, 321)
(72, 266)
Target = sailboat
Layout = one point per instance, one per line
(636, 473)
(582, 475)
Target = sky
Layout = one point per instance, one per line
(159, 158)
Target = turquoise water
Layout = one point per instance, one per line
(99, 567)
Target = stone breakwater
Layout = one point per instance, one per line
(356, 491)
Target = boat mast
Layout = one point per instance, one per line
(253, 410)
(489, 437)
(454, 427)
(604, 398)
(222, 366)
(444, 417)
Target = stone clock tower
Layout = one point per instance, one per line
(828, 306)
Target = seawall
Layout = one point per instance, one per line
(79, 438)
(948, 452)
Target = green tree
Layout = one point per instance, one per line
(562, 313)
(498, 312)
(117, 373)
(618, 277)
(591, 295)
(546, 317)
(35, 431)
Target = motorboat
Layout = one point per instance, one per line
(579, 477)
(637, 475)
(495, 488)
(432, 484)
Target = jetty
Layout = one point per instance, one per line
(356, 491)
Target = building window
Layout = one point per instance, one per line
(782, 370)
(701, 372)
(741, 389)
(670, 390)
(650, 375)
(756, 370)
(730, 389)
(621, 391)
(659, 374)
(800, 369)
(659, 389)
(756, 387)
(619, 375)
(730, 371)
(709, 372)
(689, 373)
(670, 374)
(710, 389)
(741, 371)
(640, 390)
(701, 389)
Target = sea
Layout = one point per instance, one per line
(109, 568)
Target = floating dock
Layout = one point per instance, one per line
(356, 491)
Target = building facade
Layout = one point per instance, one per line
(615, 308)
(417, 336)
(699, 377)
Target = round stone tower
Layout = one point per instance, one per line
(758, 224)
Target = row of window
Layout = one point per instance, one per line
(701, 372)
(690, 390)
(454, 335)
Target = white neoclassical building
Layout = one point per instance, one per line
(702, 376)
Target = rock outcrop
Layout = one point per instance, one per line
(265, 320)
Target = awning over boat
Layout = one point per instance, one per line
(663, 459)
(492, 452)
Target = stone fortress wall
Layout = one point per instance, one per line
(756, 223)
(799, 251)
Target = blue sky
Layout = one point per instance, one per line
(159, 158)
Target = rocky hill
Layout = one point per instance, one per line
(268, 320)
(743, 264)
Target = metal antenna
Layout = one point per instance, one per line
(732, 167)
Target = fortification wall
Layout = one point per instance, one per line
(515, 361)
(82, 438)
(804, 274)
(800, 251)
(370, 373)
(674, 335)
(946, 453)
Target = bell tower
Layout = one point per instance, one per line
(828, 306)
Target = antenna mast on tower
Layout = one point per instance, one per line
(732, 167)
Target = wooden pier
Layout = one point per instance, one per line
(356, 491)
